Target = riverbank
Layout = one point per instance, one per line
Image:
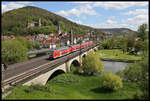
(119, 60)
(73, 86)
(118, 56)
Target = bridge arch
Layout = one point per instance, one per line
(83, 56)
(95, 49)
(74, 66)
(75, 63)
(55, 73)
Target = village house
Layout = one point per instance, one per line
(86, 37)
(4, 37)
(12, 37)
(29, 37)
(40, 37)
(49, 41)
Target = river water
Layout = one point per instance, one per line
(112, 66)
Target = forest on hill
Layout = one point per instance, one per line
(15, 22)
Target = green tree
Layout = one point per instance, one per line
(132, 72)
(92, 63)
(122, 44)
(142, 32)
(130, 43)
(138, 72)
(21, 40)
(29, 45)
(139, 45)
(13, 51)
(36, 45)
(111, 81)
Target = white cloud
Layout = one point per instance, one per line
(118, 5)
(111, 22)
(23, 2)
(136, 12)
(76, 21)
(79, 10)
(139, 19)
(13, 5)
(116, 25)
(83, 2)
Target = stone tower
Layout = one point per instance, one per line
(39, 22)
(59, 29)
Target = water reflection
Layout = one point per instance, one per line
(112, 66)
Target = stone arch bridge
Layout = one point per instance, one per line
(63, 68)
(44, 72)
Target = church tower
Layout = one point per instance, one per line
(39, 22)
(71, 37)
(59, 29)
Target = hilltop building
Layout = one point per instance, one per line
(35, 24)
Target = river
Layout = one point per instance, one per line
(113, 66)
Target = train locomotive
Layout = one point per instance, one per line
(62, 51)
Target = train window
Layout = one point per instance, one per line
(63, 48)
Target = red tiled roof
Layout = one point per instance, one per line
(12, 36)
(4, 37)
(41, 35)
(29, 37)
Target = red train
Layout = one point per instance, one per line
(58, 52)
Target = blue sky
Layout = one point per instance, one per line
(94, 14)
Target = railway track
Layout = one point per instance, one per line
(19, 79)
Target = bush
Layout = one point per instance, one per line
(13, 51)
(111, 82)
(75, 69)
(36, 45)
(120, 73)
(66, 79)
(138, 95)
(137, 72)
(37, 87)
(92, 63)
(132, 72)
(29, 45)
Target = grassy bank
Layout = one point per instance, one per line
(71, 86)
(117, 54)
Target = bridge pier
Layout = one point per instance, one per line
(67, 67)
(80, 60)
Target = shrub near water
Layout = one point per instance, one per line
(92, 63)
(111, 82)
